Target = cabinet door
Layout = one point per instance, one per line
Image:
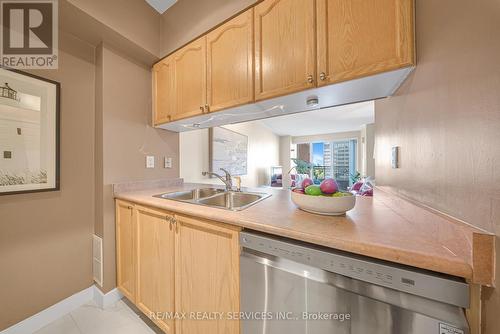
(155, 266)
(163, 91)
(190, 80)
(230, 63)
(207, 275)
(125, 249)
(357, 38)
(285, 49)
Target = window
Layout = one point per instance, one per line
(343, 161)
(337, 159)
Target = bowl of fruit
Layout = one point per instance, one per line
(323, 199)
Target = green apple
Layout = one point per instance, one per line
(313, 190)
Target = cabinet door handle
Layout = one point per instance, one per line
(202, 109)
(129, 207)
(170, 219)
(207, 108)
(310, 79)
(322, 76)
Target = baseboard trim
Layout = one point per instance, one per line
(106, 300)
(65, 306)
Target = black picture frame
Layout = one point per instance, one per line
(57, 120)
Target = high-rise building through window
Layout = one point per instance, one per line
(335, 159)
(343, 162)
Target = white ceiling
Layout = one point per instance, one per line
(161, 5)
(329, 120)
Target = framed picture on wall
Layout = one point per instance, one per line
(228, 150)
(29, 133)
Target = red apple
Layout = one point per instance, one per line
(329, 186)
(306, 183)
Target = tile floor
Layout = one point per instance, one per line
(90, 319)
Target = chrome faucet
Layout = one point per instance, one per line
(228, 181)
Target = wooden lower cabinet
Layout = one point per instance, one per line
(207, 274)
(155, 266)
(125, 250)
(173, 264)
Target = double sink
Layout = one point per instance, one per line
(217, 198)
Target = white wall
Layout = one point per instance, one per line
(367, 147)
(194, 155)
(263, 152)
(285, 159)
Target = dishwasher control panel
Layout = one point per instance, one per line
(432, 286)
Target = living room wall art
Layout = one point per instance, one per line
(228, 150)
(29, 133)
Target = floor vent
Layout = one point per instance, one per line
(97, 259)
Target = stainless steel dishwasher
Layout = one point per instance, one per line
(297, 288)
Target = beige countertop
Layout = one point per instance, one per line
(384, 227)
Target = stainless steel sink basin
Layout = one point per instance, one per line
(191, 195)
(233, 200)
(217, 198)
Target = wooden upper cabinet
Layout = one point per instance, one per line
(285, 49)
(357, 38)
(155, 265)
(207, 274)
(163, 93)
(125, 248)
(280, 47)
(190, 79)
(230, 79)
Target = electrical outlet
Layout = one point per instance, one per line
(150, 161)
(168, 162)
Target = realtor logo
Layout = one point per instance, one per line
(29, 33)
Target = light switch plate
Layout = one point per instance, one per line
(395, 157)
(150, 161)
(168, 162)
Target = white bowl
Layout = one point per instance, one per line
(324, 205)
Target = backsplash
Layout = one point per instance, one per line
(143, 185)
